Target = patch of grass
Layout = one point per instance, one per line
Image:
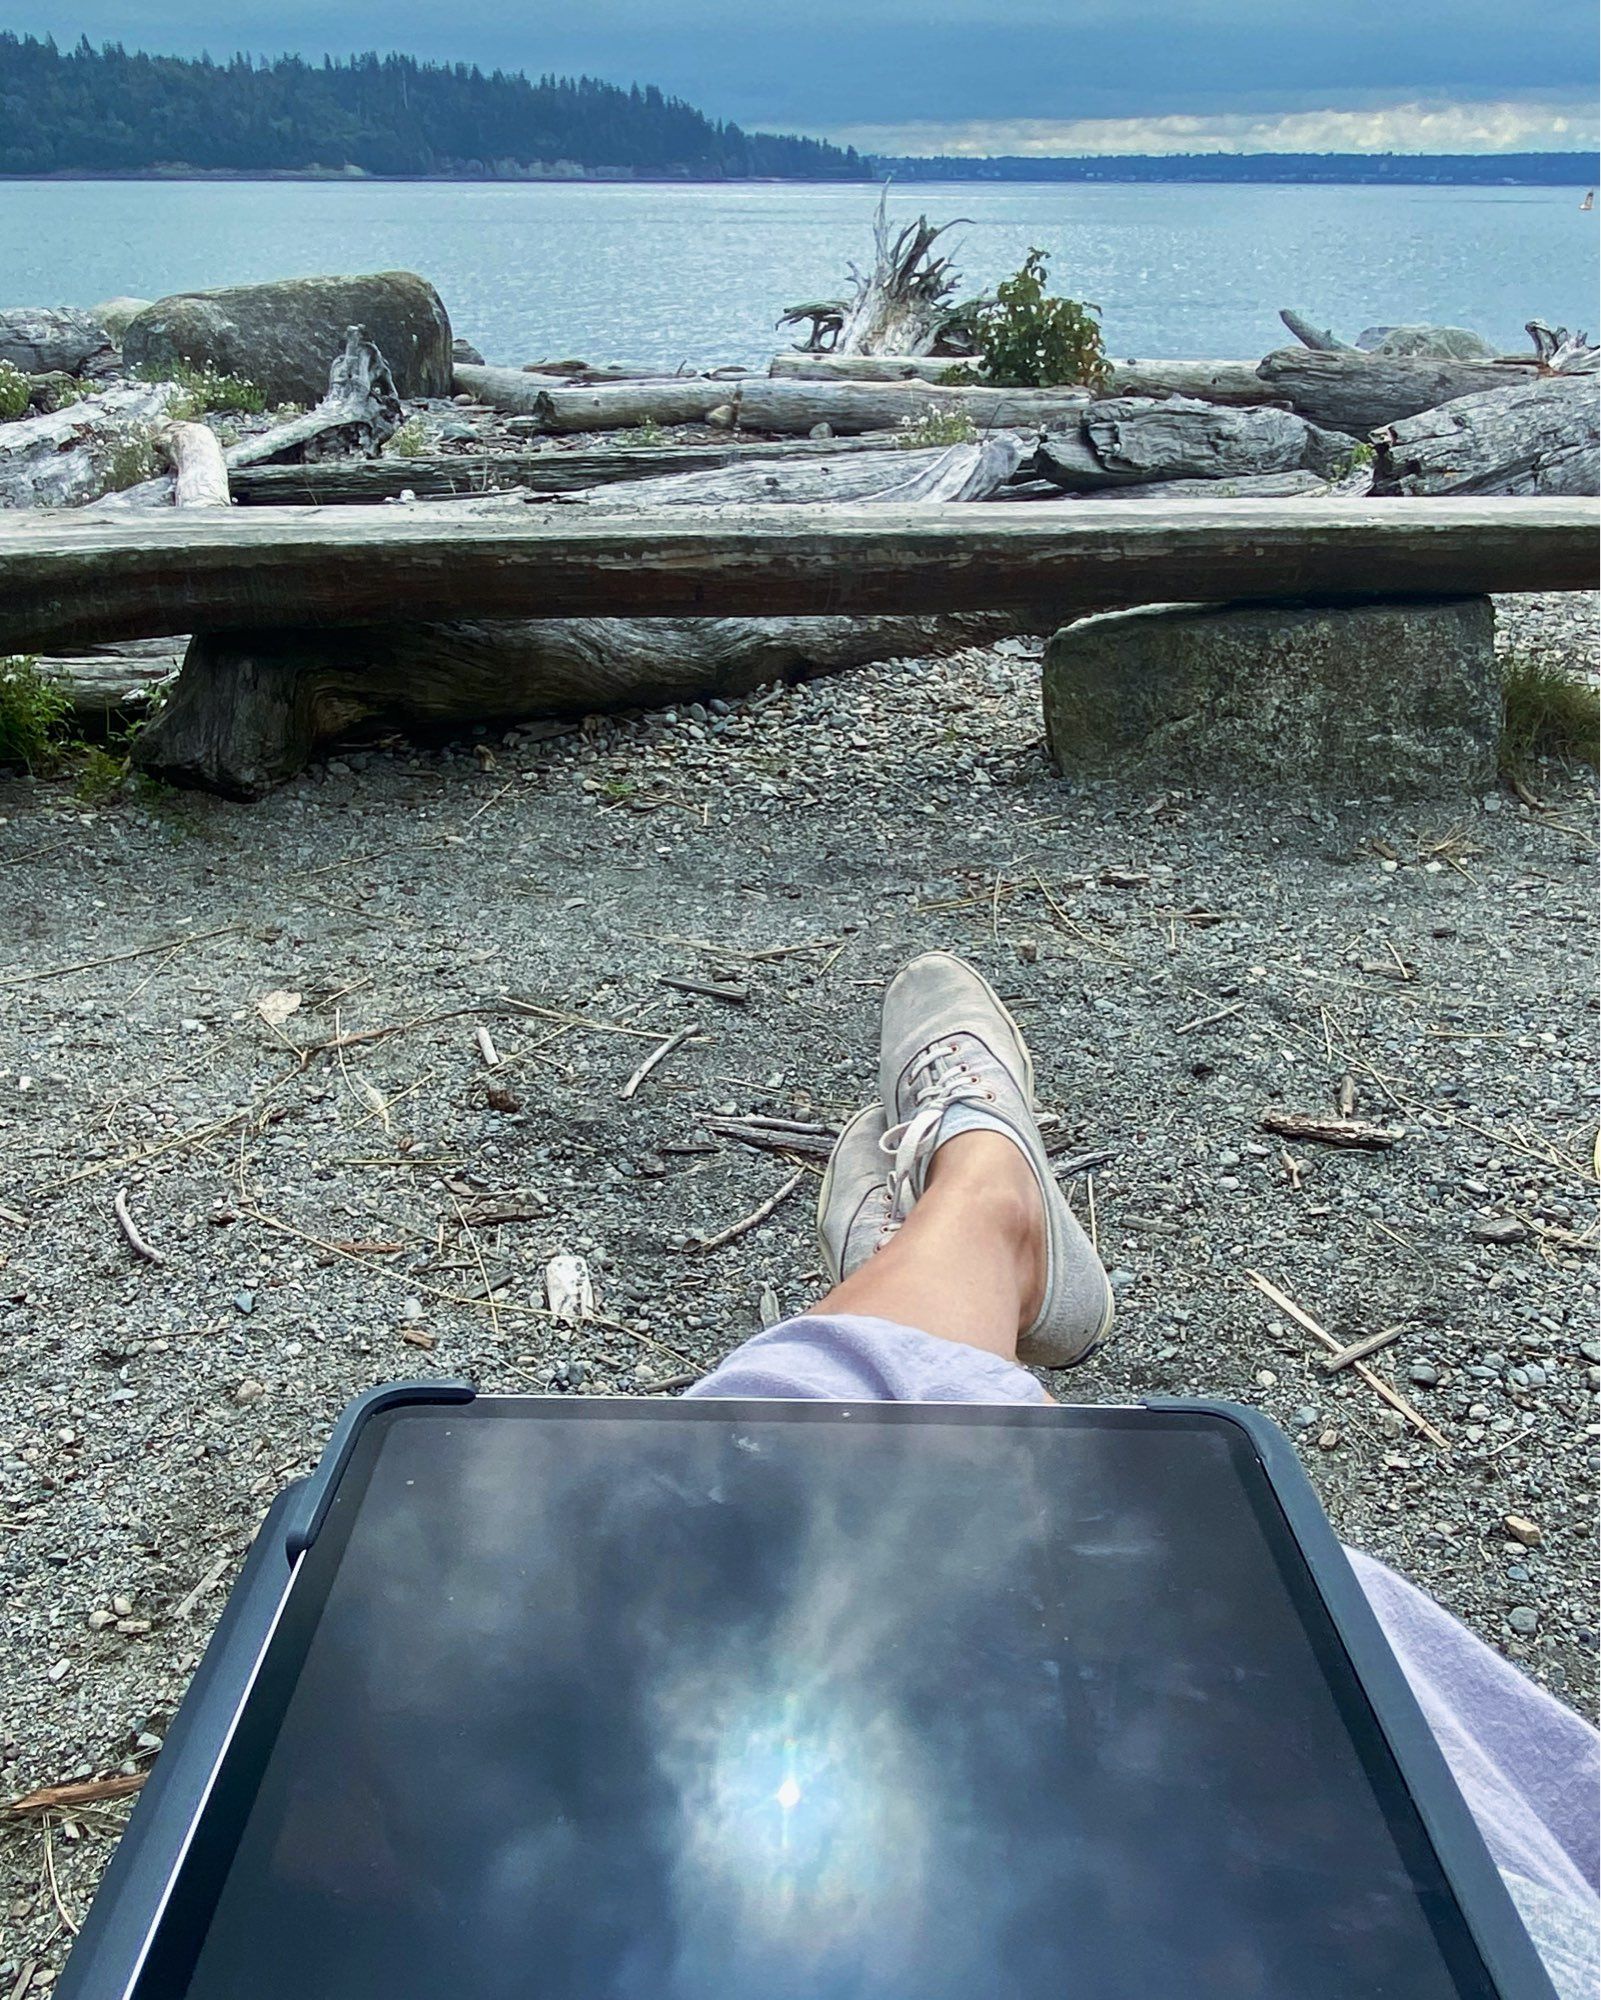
(205, 390)
(411, 440)
(13, 393)
(102, 774)
(1549, 713)
(35, 716)
(936, 426)
(647, 433)
(132, 458)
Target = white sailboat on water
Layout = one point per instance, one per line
(1589, 201)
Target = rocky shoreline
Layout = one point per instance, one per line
(257, 1024)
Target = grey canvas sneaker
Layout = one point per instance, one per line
(855, 1216)
(953, 1060)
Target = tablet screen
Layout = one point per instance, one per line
(977, 1705)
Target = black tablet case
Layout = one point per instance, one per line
(107, 1953)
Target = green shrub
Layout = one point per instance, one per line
(1549, 713)
(13, 393)
(1030, 340)
(205, 390)
(34, 716)
(411, 440)
(936, 426)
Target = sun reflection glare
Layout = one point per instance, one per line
(788, 1795)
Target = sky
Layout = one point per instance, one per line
(988, 76)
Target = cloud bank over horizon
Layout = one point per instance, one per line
(986, 76)
(1505, 127)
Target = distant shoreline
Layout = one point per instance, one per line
(908, 174)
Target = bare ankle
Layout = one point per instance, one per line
(994, 1184)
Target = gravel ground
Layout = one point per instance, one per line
(334, 1190)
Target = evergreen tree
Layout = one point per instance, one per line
(106, 111)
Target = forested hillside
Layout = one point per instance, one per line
(107, 111)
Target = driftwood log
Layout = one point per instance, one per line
(800, 367)
(113, 686)
(763, 403)
(76, 454)
(199, 475)
(1536, 437)
(41, 340)
(602, 371)
(1318, 338)
(360, 411)
(1126, 441)
(354, 481)
(1234, 486)
(902, 304)
(69, 580)
(609, 406)
(878, 479)
(1211, 381)
(795, 408)
(248, 710)
(1348, 391)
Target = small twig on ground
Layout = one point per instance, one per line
(68, 1797)
(1359, 1350)
(1209, 1020)
(209, 1581)
(755, 1219)
(659, 1054)
(125, 1222)
(773, 1135)
(486, 1047)
(708, 989)
(1375, 1382)
(1329, 1131)
(682, 1380)
(1095, 1234)
(570, 1020)
(478, 1258)
(118, 957)
(62, 1911)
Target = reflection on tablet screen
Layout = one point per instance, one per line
(701, 1711)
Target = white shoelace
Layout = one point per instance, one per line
(942, 1080)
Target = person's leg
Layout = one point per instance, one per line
(968, 1264)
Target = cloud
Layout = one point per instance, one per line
(1508, 126)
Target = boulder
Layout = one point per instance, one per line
(283, 336)
(114, 314)
(44, 340)
(463, 350)
(1434, 343)
(1351, 699)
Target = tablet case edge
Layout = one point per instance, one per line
(1485, 1901)
(108, 1951)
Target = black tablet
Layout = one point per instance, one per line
(570, 1699)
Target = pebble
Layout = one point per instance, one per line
(249, 1391)
(1424, 1374)
(244, 1302)
(1522, 1618)
(1523, 1530)
(1498, 1229)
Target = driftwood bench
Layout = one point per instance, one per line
(312, 620)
